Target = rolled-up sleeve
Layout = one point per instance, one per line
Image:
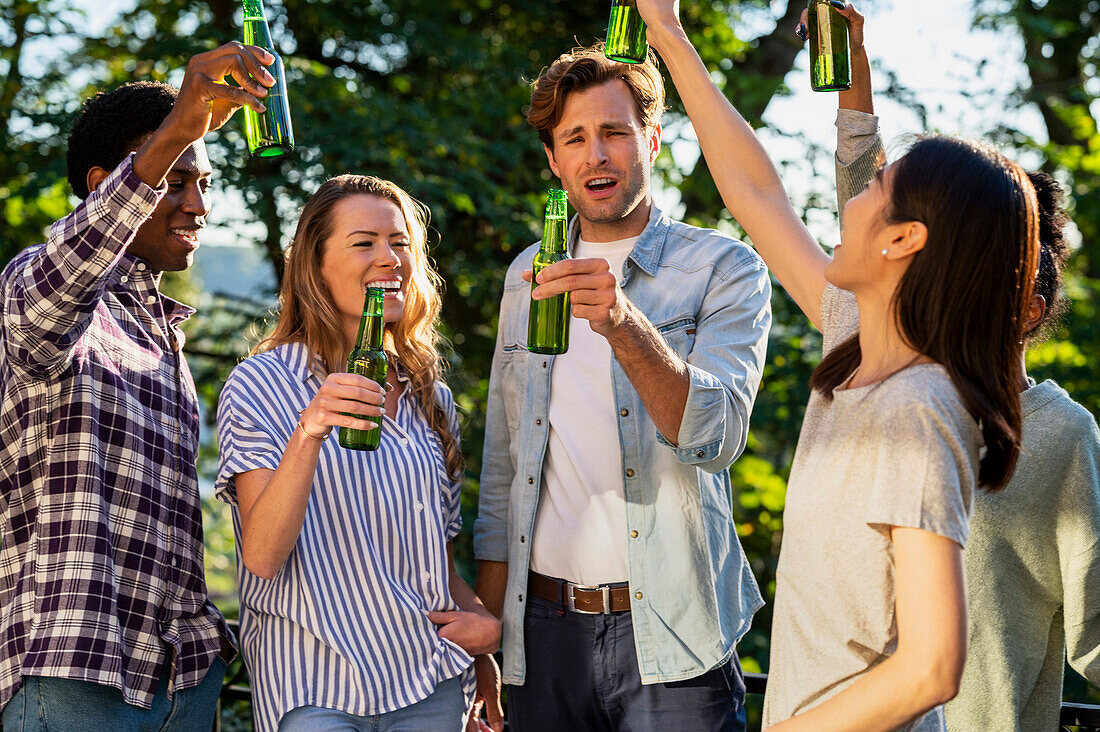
(859, 153)
(724, 365)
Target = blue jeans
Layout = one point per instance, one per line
(582, 674)
(46, 704)
(441, 711)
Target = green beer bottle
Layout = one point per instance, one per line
(368, 359)
(830, 66)
(548, 323)
(269, 134)
(626, 33)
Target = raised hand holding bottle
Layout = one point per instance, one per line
(269, 133)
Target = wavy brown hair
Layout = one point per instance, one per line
(307, 312)
(585, 68)
(964, 297)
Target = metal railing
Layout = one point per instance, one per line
(236, 691)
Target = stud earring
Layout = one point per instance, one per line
(885, 252)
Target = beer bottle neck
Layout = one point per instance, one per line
(254, 10)
(256, 30)
(553, 235)
(371, 326)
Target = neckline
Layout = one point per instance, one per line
(860, 391)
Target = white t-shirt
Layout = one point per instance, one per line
(580, 526)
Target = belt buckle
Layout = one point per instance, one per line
(604, 591)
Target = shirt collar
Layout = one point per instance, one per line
(647, 250)
(135, 274)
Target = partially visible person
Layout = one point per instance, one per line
(104, 613)
(1033, 558)
(344, 556)
(922, 312)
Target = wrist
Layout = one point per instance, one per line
(669, 36)
(155, 158)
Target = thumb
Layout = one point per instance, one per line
(444, 617)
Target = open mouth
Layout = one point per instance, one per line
(189, 237)
(390, 286)
(597, 185)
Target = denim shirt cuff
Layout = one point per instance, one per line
(490, 541)
(703, 426)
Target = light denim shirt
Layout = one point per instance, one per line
(692, 593)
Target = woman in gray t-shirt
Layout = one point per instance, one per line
(922, 308)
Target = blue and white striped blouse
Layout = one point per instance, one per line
(343, 625)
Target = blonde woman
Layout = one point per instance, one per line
(352, 614)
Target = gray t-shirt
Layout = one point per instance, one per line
(901, 452)
(1033, 573)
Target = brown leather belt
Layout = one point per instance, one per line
(580, 598)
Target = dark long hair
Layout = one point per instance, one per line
(963, 299)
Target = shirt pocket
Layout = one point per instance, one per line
(513, 381)
(679, 334)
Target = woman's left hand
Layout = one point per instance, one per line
(475, 633)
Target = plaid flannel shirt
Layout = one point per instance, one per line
(101, 564)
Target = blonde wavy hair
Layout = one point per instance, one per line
(308, 314)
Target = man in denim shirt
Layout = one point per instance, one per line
(605, 534)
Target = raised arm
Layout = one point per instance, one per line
(859, 152)
(50, 300)
(742, 170)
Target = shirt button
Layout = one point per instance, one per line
(522, 539)
(638, 595)
(538, 422)
(530, 480)
(150, 299)
(426, 576)
(624, 412)
(419, 506)
(404, 441)
(175, 562)
(124, 279)
(544, 364)
(629, 473)
(634, 534)
(521, 598)
(701, 454)
(141, 266)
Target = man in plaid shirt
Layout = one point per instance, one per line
(105, 623)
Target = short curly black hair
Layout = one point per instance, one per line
(1053, 252)
(110, 126)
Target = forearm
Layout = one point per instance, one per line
(741, 168)
(894, 693)
(859, 96)
(748, 181)
(155, 158)
(272, 522)
(491, 584)
(658, 375)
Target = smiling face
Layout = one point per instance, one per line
(169, 237)
(368, 247)
(603, 155)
